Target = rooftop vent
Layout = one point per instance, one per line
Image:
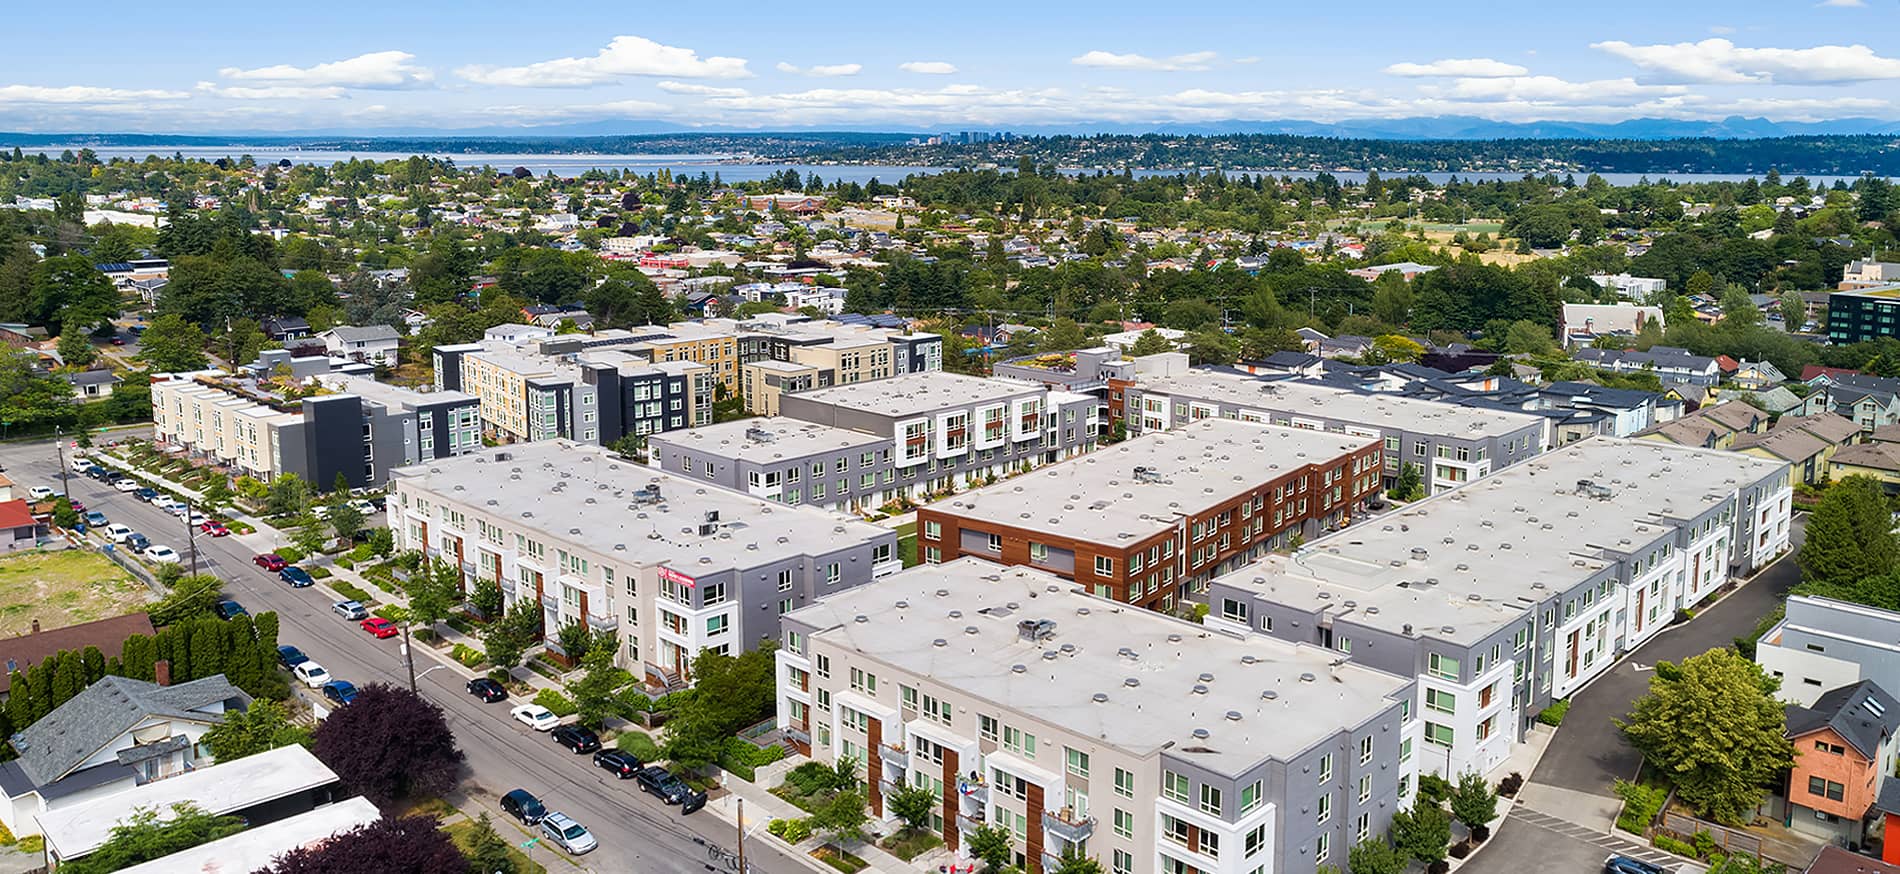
(1200, 734)
(1036, 629)
(1307, 677)
(1099, 697)
(1233, 716)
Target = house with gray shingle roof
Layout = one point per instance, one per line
(373, 344)
(117, 734)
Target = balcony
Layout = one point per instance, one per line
(895, 755)
(603, 623)
(550, 602)
(1066, 825)
(968, 824)
(974, 790)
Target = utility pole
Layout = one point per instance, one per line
(191, 536)
(741, 819)
(409, 657)
(59, 445)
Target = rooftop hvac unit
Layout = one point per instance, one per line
(1036, 629)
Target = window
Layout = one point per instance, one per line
(1365, 788)
(1826, 788)
(1325, 808)
(986, 727)
(1210, 799)
(1325, 768)
(933, 530)
(1322, 849)
(1124, 823)
(1174, 787)
(1365, 749)
(1038, 551)
(1104, 566)
(1018, 741)
(1256, 840)
(1362, 829)
(784, 581)
(908, 696)
(1233, 610)
(821, 665)
(1251, 797)
(993, 542)
(1078, 762)
(833, 573)
(1124, 862)
(863, 681)
(1442, 667)
(1405, 750)
(716, 625)
(1443, 702)
(1438, 734)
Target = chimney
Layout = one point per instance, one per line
(36, 626)
(162, 672)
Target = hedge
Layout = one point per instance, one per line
(1640, 804)
(640, 744)
(290, 554)
(1554, 714)
(350, 590)
(553, 700)
(468, 655)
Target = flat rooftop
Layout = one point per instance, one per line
(1097, 497)
(518, 360)
(393, 397)
(1136, 679)
(222, 788)
(1460, 563)
(1888, 291)
(254, 849)
(785, 438)
(1370, 409)
(581, 494)
(908, 394)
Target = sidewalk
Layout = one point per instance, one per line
(762, 807)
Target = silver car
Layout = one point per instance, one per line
(568, 834)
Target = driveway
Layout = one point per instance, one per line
(1589, 753)
(1531, 841)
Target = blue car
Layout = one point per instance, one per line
(95, 519)
(339, 692)
(290, 656)
(146, 494)
(1627, 865)
(297, 577)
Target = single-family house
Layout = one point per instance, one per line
(1756, 375)
(1714, 426)
(92, 385)
(20, 652)
(373, 344)
(286, 328)
(1843, 756)
(18, 528)
(1807, 443)
(1669, 363)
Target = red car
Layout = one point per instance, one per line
(270, 561)
(214, 528)
(379, 627)
(118, 341)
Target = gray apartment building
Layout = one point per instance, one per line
(938, 432)
(1450, 445)
(576, 387)
(1079, 725)
(1824, 644)
(1512, 592)
(671, 564)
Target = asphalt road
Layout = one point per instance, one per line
(1588, 753)
(637, 833)
(1533, 842)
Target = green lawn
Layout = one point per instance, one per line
(462, 831)
(64, 588)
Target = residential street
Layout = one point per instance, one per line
(636, 832)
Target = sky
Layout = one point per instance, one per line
(347, 66)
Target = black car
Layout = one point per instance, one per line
(231, 610)
(96, 472)
(661, 782)
(576, 738)
(619, 763)
(487, 690)
(290, 656)
(523, 806)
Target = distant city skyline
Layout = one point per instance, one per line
(220, 67)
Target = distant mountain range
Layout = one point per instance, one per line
(1449, 127)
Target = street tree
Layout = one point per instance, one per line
(173, 344)
(1712, 726)
(345, 520)
(1375, 857)
(389, 744)
(594, 691)
(1423, 832)
(509, 635)
(434, 592)
(488, 852)
(1473, 802)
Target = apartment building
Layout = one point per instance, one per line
(1823, 643)
(1865, 313)
(672, 565)
(784, 460)
(715, 346)
(1151, 518)
(1515, 591)
(588, 391)
(781, 354)
(1449, 444)
(947, 431)
(1081, 726)
(316, 428)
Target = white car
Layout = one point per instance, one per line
(364, 507)
(41, 493)
(198, 518)
(79, 463)
(127, 485)
(311, 674)
(162, 554)
(119, 533)
(536, 717)
(178, 508)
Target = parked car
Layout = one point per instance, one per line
(138, 543)
(214, 528)
(340, 692)
(163, 554)
(96, 519)
(146, 494)
(487, 690)
(270, 561)
(118, 533)
(79, 463)
(231, 610)
(659, 781)
(1627, 865)
(364, 507)
(42, 493)
(619, 763)
(290, 656)
(297, 577)
(126, 484)
(380, 628)
(97, 472)
(522, 805)
(310, 674)
(352, 610)
(568, 834)
(577, 738)
(535, 716)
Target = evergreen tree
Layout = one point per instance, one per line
(20, 698)
(95, 662)
(1850, 537)
(69, 676)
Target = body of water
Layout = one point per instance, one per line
(733, 168)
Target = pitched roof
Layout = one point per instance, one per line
(1787, 444)
(1826, 426)
(1810, 371)
(1885, 434)
(1874, 456)
(16, 514)
(24, 651)
(51, 748)
(1862, 713)
(354, 333)
(1834, 860)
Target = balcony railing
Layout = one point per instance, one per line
(894, 754)
(1066, 825)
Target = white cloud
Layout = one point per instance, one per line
(1471, 68)
(1112, 61)
(1550, 89)
(80, 95)
(373, 70)
(698, 90)
(624, 56)
(822, 70)
(273, 92)
(1844, 4)
(928, 68)
(1250, 59)
(1719, 61)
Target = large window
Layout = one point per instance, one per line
(1438, 734)
(1174, 786)
(1442, 667)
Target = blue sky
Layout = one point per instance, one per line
(345, 65)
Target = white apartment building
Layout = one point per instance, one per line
(1520, 589)
(1080, 725)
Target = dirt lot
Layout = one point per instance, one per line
(64, 588)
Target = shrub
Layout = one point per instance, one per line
(1460, 850)
(290, 554)
(555, 701)
(641, 745)
(344, 562)
(347, 589)
(1669, 844)
(1433, 789)
(1509, 786)
(791, 831)
(467, 655)
(1554, 714)
(811, 778)
(323, 573)
(1640, 804)
(1704, 844)
(32, 845)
